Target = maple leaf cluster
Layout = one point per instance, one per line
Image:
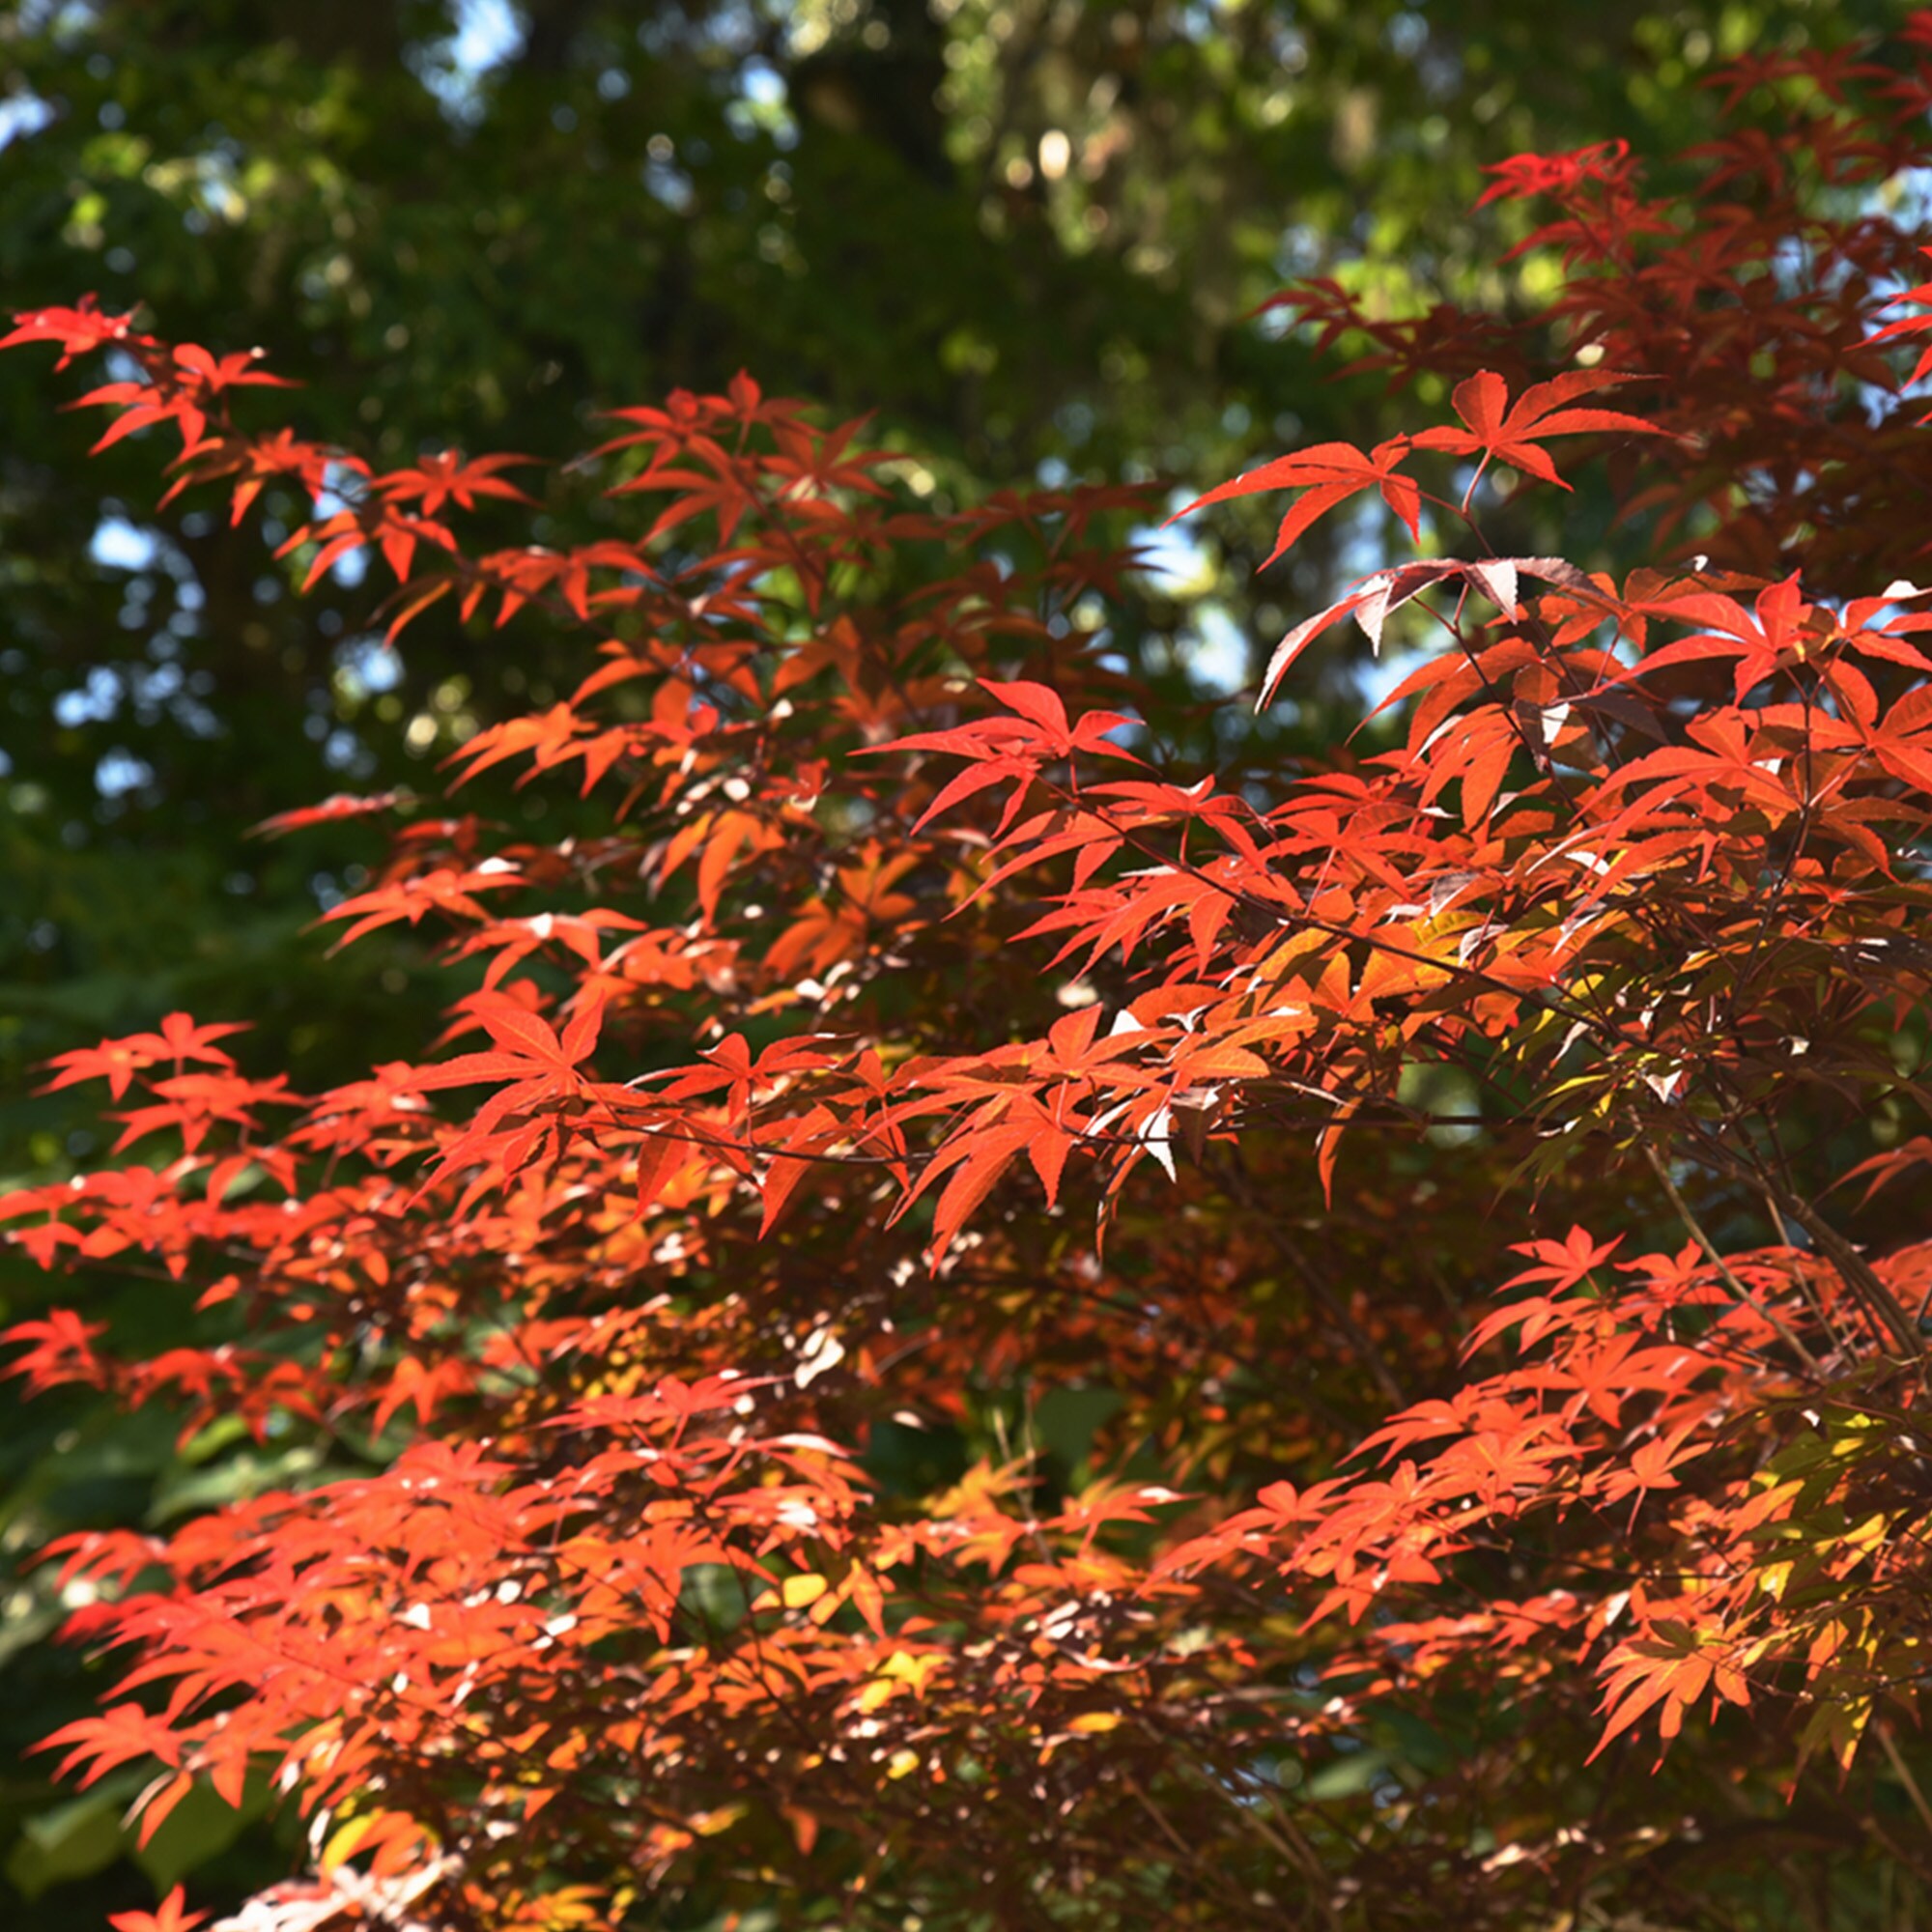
(896, 1048)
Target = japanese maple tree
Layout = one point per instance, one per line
(1410, 1256)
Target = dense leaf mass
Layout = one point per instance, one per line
(1443, 1208)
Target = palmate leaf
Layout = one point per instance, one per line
(170, 1916)
(1328, 474)
(1496, 430)
(1376, 597)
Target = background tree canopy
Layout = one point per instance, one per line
(1030, 235)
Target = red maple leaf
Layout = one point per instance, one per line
(1498, 431)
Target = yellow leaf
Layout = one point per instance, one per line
(1869, 1532)
(910, 1670)
(371, 1828)
(342, 1844)
(575, 1905)
(799, 1591)
(1090, 1721)
(1835, 1725)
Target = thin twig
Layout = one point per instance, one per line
(1734, 1288)
(1905, 1776)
